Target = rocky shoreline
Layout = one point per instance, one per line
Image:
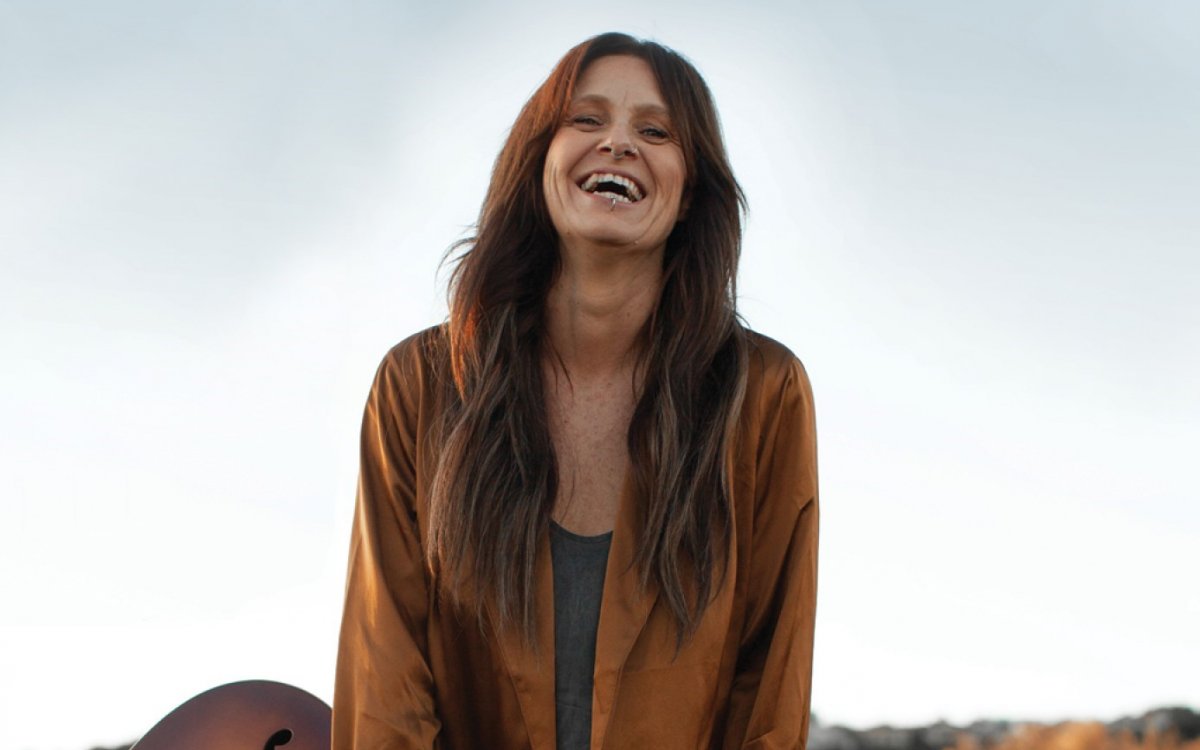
(1182, 725)
(1162, 728)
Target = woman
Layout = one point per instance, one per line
(587, 509)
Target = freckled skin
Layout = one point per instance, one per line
(610, 275)
(588, 425)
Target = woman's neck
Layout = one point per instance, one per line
(595, 313)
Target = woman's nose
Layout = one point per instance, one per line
(619, 144)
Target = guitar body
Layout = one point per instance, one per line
(252, 715)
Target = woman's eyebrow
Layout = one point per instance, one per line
(641, 109)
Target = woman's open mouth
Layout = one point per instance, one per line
(612, 186)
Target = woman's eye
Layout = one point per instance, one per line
(654, 133)
(588, 120)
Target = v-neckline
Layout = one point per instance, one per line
(624, 610)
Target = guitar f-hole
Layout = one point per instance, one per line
(237, 716)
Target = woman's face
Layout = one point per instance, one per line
(617, 142)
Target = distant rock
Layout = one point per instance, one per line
(1181, 723)
(1184, 722)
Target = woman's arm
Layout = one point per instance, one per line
(769, 703)
(384, 693)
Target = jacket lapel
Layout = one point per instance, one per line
(623, 611)
(533, 673)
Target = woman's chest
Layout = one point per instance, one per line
(588, 426)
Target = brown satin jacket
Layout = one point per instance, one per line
(413, 673)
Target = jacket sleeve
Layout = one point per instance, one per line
(384, 692)
(769, 702)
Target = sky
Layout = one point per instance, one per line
(975, 223)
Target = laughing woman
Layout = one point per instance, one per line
(587, 506)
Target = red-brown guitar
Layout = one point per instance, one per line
(252, 715)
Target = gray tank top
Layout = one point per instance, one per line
(579, 563)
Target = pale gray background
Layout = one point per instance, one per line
(975, 223)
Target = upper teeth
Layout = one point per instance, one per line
(630, 186)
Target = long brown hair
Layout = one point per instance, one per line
(497, 474)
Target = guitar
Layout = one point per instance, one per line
(251, 715)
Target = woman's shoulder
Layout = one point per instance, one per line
(423, 349)
(772, 367)
(779, 428)
(412, 369)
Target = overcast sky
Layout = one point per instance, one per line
(976, 224)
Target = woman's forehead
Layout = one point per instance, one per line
(620, 79)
